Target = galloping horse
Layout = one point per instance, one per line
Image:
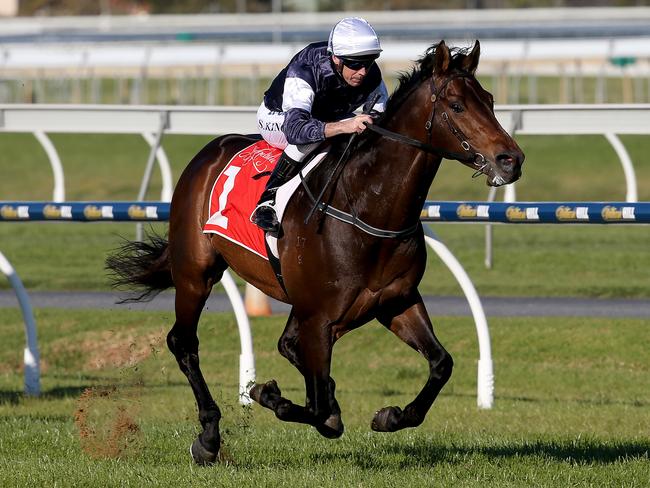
(338, 275)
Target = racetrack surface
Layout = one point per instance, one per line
(437, 306)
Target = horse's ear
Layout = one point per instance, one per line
(443, 57)
(470, 63)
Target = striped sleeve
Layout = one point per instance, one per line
(299, 126)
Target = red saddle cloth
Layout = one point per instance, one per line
(235, 194)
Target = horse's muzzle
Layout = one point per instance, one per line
(506, 168)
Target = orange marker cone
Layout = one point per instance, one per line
(256, 303)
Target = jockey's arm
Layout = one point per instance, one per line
(358, 123)
(301, 128)
(348, 126)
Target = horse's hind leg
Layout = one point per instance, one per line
(193, 281)
(414, 328)
(311, 355)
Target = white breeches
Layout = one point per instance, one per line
(269, 124)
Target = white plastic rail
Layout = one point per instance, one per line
(31, 358)
(485, 384)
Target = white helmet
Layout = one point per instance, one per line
(353, 36)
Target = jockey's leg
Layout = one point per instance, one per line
(288, 165)
(285, 169)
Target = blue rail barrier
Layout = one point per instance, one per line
(84, 211)
(538, 212)
(433, 211)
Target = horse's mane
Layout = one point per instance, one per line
(422, 70)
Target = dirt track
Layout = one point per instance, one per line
(454, 306)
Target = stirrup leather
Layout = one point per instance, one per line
(264, 215)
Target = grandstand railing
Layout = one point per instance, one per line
(154, 121)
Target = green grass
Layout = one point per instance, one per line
(571, 406)
(558, 168)
(594, 261)
(96, 166)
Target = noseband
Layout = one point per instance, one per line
(477, 158)
(471, 158)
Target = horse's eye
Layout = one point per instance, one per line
(457, 107)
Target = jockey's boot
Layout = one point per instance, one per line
(264, 214)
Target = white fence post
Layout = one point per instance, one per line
(628, 168)
(58, 194)
(485, 383)
(31, 357)
(155, 145)
(246, 358)
(167, 189)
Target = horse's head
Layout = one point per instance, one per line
(461, 116)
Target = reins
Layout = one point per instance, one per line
(473, 158)
(341, 162)
(469, 157)
(428, 148)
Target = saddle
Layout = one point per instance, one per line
(236, 191)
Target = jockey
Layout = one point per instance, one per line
(314, 97)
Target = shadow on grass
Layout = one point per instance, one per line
(11, 397)
(580, 452)
(395, 455)
(591, 452)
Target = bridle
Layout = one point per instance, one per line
(473, 159)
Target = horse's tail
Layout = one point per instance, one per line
(144, 267)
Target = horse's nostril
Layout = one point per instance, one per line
(505, 159)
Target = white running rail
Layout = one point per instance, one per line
(31, 358)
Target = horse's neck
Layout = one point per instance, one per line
(395, 178)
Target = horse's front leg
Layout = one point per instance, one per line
(310, 351)
(413, 326)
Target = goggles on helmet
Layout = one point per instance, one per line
(357, 63)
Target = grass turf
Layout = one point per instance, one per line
(546, 260)
(571, 407)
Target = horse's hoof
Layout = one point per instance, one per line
(270, 387)
(201, 455)
(256, 392)
(332, 428)
(387, 419)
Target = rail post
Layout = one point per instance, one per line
(31, 357)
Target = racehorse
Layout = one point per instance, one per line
(338, 273)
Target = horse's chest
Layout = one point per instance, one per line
(400, 267)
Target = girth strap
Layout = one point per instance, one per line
(356, 221)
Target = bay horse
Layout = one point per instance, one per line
(338, 275)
